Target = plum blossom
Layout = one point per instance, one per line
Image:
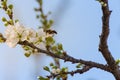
(28, 34)
(12, 34)
(17, 32)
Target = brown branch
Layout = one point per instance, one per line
(103, 46)
(66, 57)
(80, 71)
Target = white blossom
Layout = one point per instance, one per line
(11, 36)
(19, 28)
(29, 35)
(56, 71)
(12, 42)
(17, 32)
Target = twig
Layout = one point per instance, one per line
(80, 71)
(66, 57)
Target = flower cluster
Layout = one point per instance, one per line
(17, 32)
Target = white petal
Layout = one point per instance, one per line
(12, 43)
(41, 32)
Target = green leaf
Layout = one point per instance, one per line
(42, 78)
(78, 65)
(46, 68)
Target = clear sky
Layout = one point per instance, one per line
(78, 23)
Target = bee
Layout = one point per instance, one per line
(51, 31)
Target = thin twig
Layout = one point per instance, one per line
(80, 71)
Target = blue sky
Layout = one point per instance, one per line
(78, 24)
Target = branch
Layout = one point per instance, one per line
(103, 46)
(80, 71)
(65, 57)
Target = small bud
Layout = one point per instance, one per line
(105, 4)
(6, 24)
(102, 3)
(54, 48)
(56, 71)
(4, 19)
(35, 50)
(27, 54)
(10, 6)
(50, 40)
